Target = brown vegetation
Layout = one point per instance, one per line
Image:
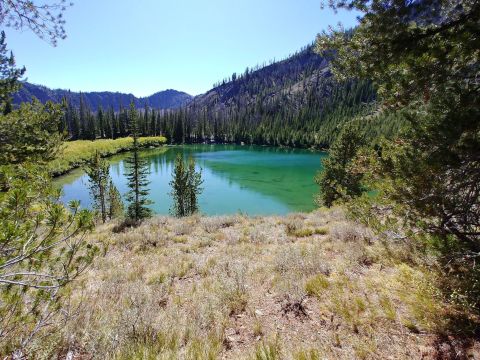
(304, 286)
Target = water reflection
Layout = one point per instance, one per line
(251, 179)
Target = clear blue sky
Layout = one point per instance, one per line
(145, 46)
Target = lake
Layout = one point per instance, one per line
(253, 180)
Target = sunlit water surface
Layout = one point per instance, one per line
(250, 179)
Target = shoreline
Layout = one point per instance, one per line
(72, 158)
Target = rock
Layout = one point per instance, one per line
(230, 332)
(230, 339)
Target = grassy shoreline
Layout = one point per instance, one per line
(76, 153)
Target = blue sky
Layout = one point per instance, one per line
(145, 46)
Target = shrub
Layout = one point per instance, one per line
(316, 285)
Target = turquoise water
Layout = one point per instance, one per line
(249, 179)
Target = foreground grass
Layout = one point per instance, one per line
(77, 153)
(303, 287)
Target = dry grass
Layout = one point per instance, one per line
(234, 287)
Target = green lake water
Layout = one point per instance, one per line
(253, 180)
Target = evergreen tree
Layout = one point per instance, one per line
(186, 187)
(91, 128)
(63, 127)
(112, 131)
(179, 185)
(43, 245)
(99, 177)
(194, 182)
(9, 73)
(339, 180)
(30, 132)
(423, 56)
(115, 203)
(101, 121)
(137, 172)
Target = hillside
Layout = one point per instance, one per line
(168, 99)
(297, 73)
(293, 102)
(305, 286)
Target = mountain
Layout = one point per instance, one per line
(294, 102)
(168, 99)
(296, 74)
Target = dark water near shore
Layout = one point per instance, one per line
(249, 179)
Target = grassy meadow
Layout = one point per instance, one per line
(302, 287)
(76, 153)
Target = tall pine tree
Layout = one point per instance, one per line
(136, 175)
(186, 187)
(99, 177)
(115, 204)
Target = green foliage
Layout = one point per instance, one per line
(179, 187)
(31, 132)
(42, 249)
(411, 50)
(308, 118)
(339, 179)
(435, 170)
(194, 182)
(106, 197)
(9, 74)
(137, 171)
(186, 187)
(115, 203)
(76, 153)
(98, 174)
(424, 59)
(42, 243)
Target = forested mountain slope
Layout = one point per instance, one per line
(168, 99)
(294, 102)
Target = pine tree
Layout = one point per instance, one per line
(338, 180)
(63, 126)
(109, 119)
(83, 117)
(43, 246)
(9, 74)
(194, 182)
(101, 122)
(91, 129)
(115, 203)
(186, 187)
(99, 177)
(136, 175)
(179, 188)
